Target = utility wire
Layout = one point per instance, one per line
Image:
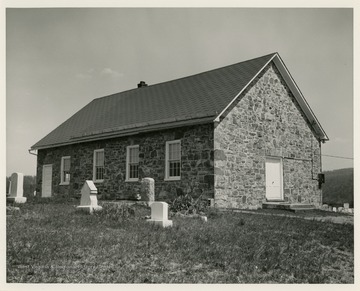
(337, 157)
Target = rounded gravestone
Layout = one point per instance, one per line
(148, 189)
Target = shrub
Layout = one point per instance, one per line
(188, 205)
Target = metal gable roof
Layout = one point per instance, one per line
(195, 99)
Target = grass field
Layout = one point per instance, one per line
(51, 242)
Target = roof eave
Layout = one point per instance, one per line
(132, 131)
(280, 65)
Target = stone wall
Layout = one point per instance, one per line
(197, 175)
(227, 162)
(266, 121)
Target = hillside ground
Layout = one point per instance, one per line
(53, 243)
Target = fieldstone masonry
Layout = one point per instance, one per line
(266, 121)
(16, 188)
(197, 172)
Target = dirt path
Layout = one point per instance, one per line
(334, 219)
(327, 218)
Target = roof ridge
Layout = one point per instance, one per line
(208, 71)
(185, 77)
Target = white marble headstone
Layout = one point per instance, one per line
(17, 188)
(159, 214)
(89, 200)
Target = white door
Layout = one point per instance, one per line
(273, 172)
(46, 181)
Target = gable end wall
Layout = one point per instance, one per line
(266, 121)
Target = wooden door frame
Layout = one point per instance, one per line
(42, 179)
(281, 178)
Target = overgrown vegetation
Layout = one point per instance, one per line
(186, 204)
(52, 242)
(339, 187)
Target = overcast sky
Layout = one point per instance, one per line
(58, 60)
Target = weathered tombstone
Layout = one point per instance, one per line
(148, 190)
(159, 214)
(346, 206)
(88, 200)
(211, 202)
(334, 209)
(203, 218)
(9, 189)
(340, 209)
(16, 188)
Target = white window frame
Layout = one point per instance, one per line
(128, 179)
(62, 182)
(94, 166)
(167, 168)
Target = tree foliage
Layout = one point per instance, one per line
(339, 187)
(29, 185)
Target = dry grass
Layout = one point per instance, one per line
(51, 242)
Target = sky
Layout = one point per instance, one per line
(60, 59)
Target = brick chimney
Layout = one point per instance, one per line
(142, 84)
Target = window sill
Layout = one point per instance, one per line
(64, 183)
(98, 181)
(173, 179)
(132, 180)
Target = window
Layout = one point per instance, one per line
(132, 163)
(65, 171)
(98, 175)
(173, 160)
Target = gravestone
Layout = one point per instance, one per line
(159, 214)
(8, 189)
(148, 190)
(16, 188)
(203, 218)
(347, 207)
(211, 202)
(89, 202)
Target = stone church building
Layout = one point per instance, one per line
(241, 135)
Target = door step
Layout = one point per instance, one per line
(295, 207)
